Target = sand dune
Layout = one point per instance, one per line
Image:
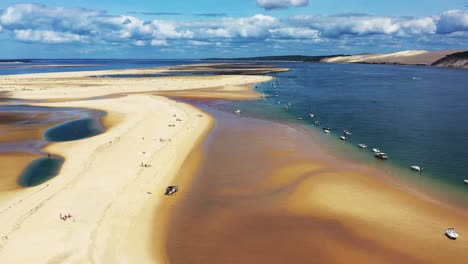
(408, 57)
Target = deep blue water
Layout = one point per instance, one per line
(417, 115)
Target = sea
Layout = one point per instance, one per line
(417, 115)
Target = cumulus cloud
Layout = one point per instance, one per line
(53, 25)
(281, 4)
(452, 21)
(364, 25)
(45, 36)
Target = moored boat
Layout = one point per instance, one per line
(327, 130)
(170, 190)
(363, 146)
(381, 155)
(343, 138)
(317, 123)
(465, 181)
(450, 233)
(311, 115)
(376, 150)
(416, 168)
(347, 132)
(237, 112)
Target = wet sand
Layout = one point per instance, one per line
(269, 193)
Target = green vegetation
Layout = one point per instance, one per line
(452, 57)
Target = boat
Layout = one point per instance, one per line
(170, 190)
(311, 115)
(300, 118)
(327, 130)
(317, 123)
(450, 233)
(465, 181)
(376, 150)
(416, 168)
(347, 132)
(381, 155)
(363, 146)
(343, 138)
(237, 112)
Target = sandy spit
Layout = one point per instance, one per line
(110, 197)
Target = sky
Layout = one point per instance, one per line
(156, 29)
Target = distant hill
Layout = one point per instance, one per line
(455, 60)
(443, 58)
(300, 58)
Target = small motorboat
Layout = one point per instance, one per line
(237, 112)
(343, 138)
(327, 130)
(170, 190)
(450, 233)
(317, 123)
(465, 181)
(347, 132)
(363, 146)
(376, 150)
(416, 168)
(311, 115)
(300, 118)
(381, 155)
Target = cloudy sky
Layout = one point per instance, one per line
(227, 28)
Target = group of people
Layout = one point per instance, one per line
(66, 216)
(145, 165)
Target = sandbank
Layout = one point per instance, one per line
(116, 205)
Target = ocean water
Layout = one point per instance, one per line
(417, 115)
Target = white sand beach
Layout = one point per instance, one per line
(112, 200)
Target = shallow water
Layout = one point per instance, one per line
(417, 115)
(39, 171)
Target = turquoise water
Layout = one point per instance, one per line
(39, 171)
(417, 115)
(85, 124)
(74, 130)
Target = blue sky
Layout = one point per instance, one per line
(227, 28)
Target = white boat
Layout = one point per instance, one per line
(381, 155)
(347, 132)
(170, 190)
(450, 233)
(465, 181)
(327, 130)
(363, 146)
(300, 118)
(237, 112)
(376, 150)
(311, 115)
(343, 138)
(416, 168)
(317, 123)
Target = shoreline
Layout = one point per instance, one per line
(119, 201)
(243, 187)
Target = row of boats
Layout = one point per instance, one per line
(377, 153)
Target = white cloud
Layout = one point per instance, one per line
(40, 23)
(281, 4)
(158, 42)
(453, 21)
(337, 26)
(45, 36)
